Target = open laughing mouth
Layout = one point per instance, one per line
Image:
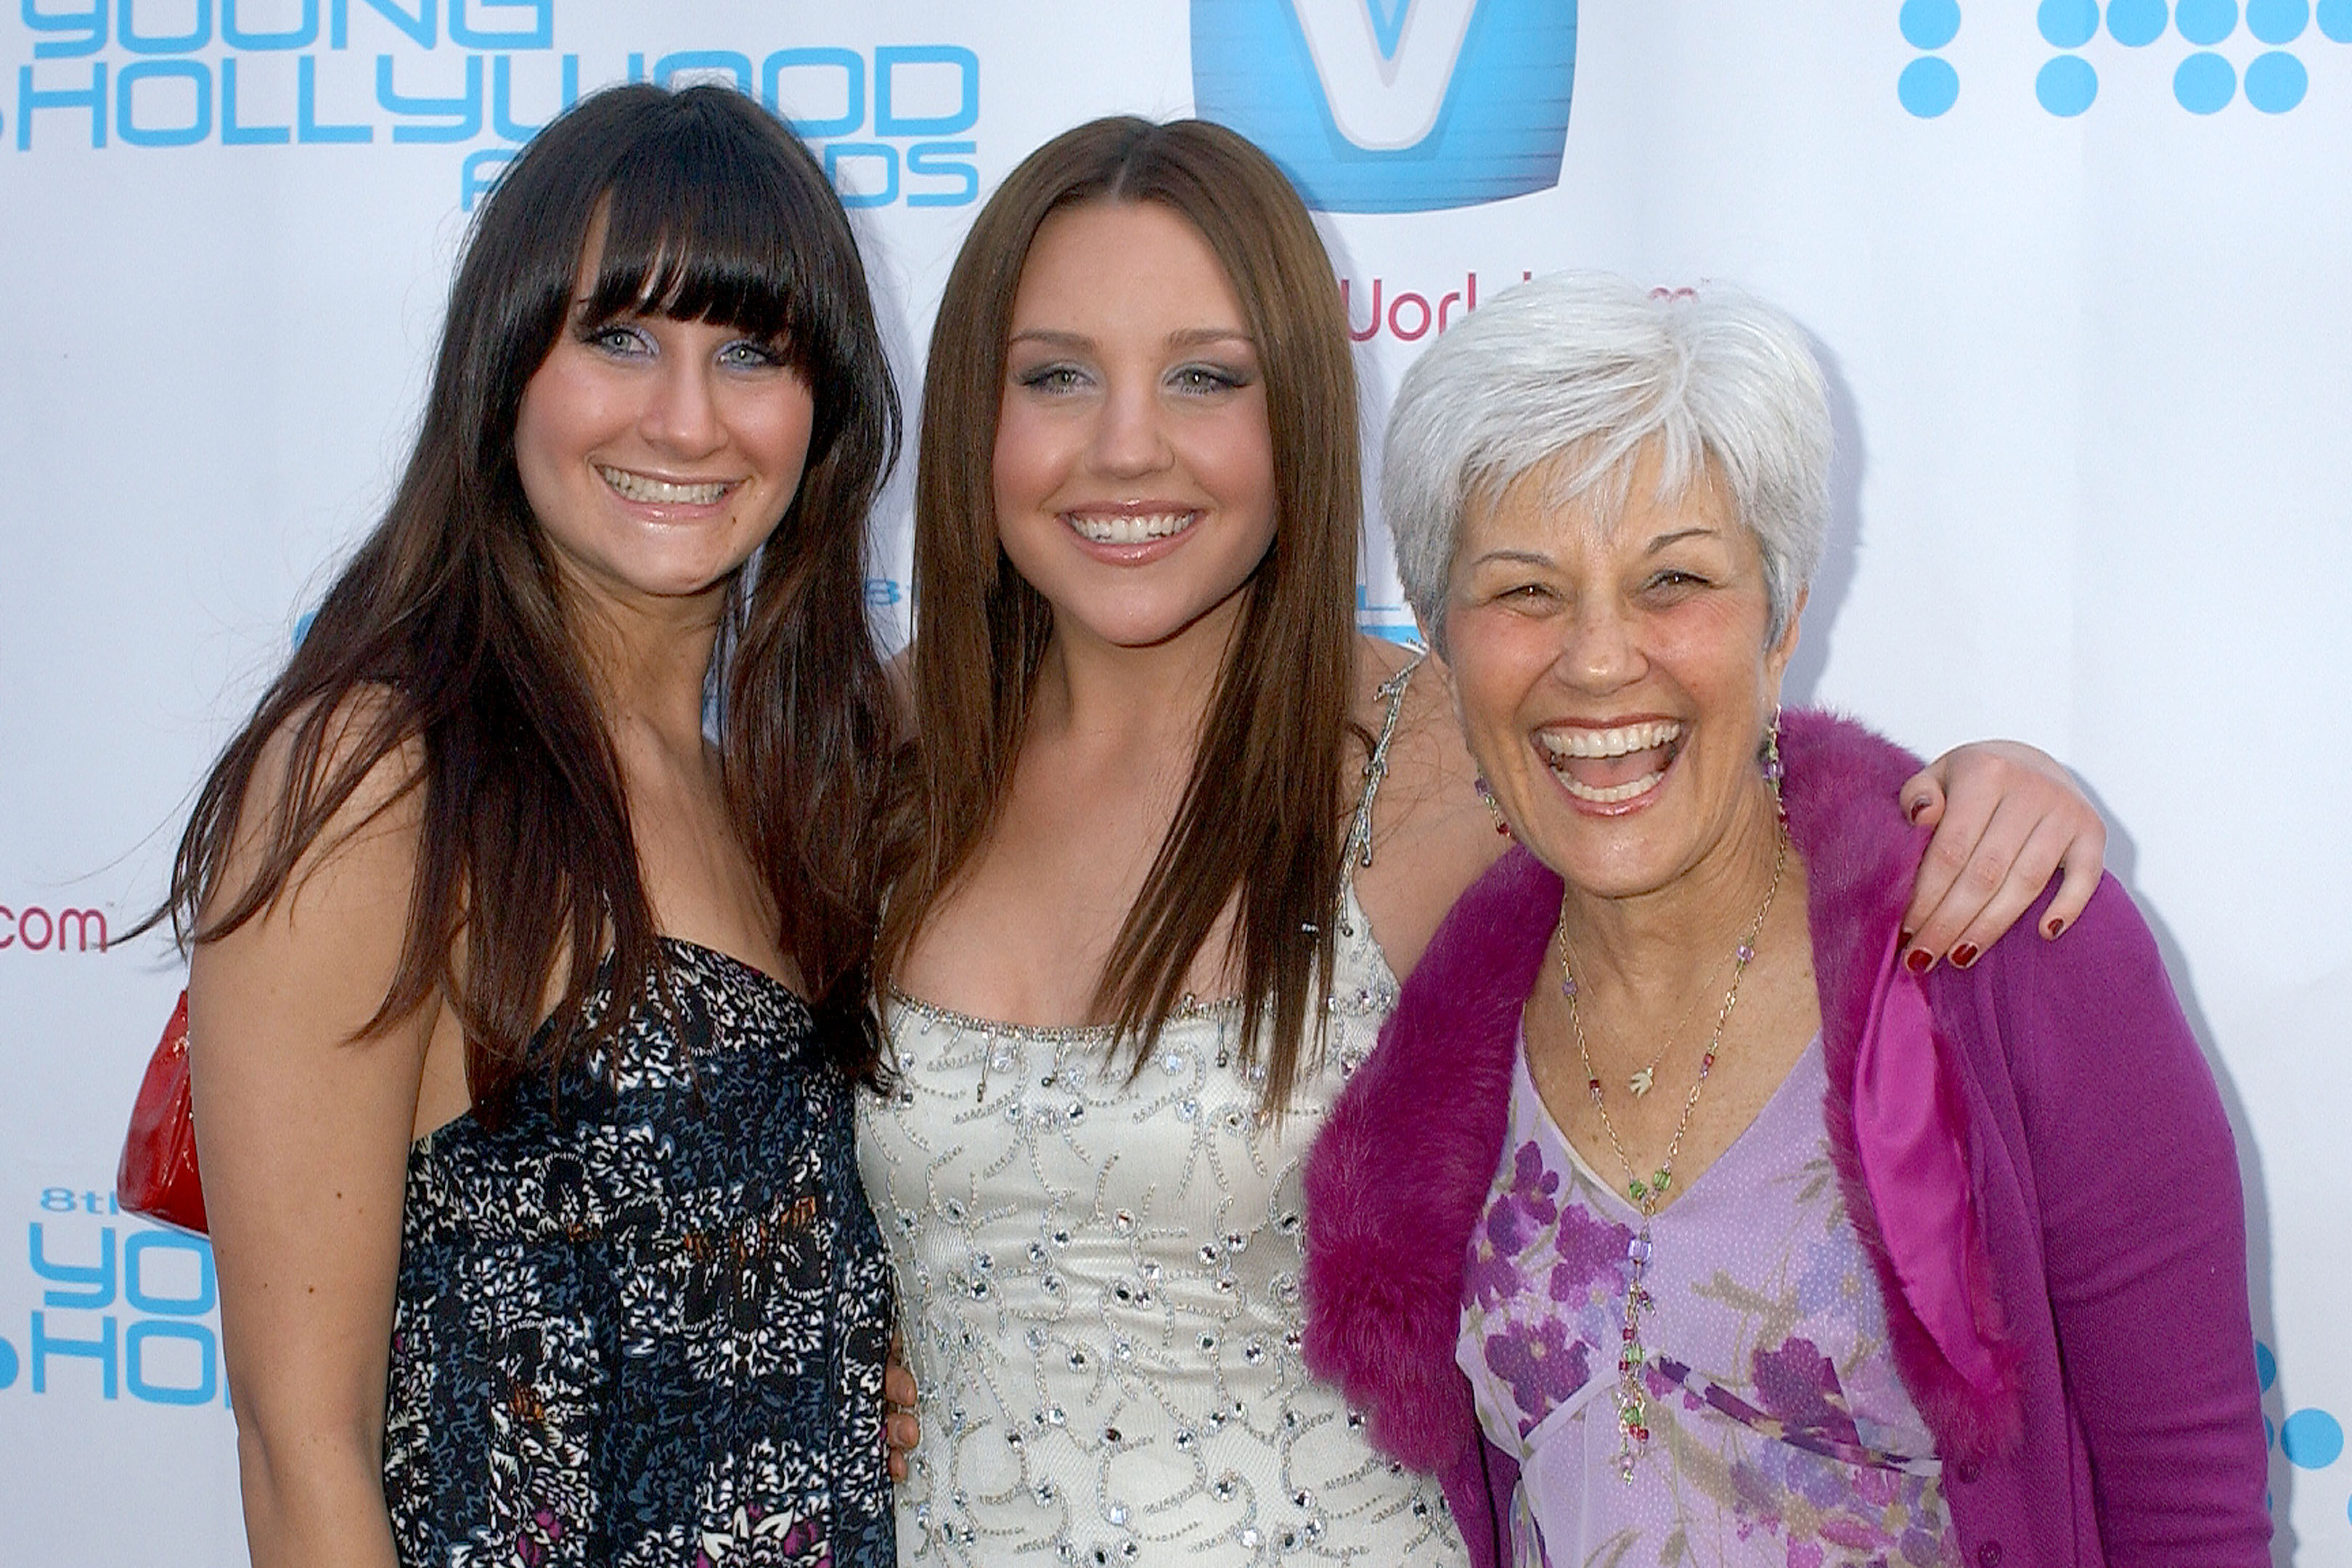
(1608, 767)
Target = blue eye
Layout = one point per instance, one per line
(615, 337)
(747, 354)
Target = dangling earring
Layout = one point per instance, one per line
(1486, 792)
(1772, 769)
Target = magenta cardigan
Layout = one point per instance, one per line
(2032, 1151)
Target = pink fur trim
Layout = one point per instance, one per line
(1396, 1182)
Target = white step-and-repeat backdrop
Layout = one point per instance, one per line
(2082, 274)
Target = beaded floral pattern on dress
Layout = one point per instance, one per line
(642, 1321)
(1100, 1281)
(1781, 1434)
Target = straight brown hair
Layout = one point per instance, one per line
(447, 631)
(1262, 824)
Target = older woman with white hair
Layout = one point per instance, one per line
(1679, 1216)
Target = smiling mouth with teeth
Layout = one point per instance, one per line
(662, 492)
(1610, 766)
(1097, 528)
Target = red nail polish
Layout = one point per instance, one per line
(1964, 955)
(1917, 808)
(1918, 960)
(2054, 926)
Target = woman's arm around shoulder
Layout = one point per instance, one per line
(2143, 1240)
(303, 1130)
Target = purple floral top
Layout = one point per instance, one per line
(1779, 1432)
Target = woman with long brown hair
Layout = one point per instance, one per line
(524, 1014)
(1164, 796)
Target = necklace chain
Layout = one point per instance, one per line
(1639, 1083)
(1649, 1195)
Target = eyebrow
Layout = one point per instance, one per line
(1189, 337)
(1519, 557)
(1538, 558)
(1662, 541)
(1194, 337)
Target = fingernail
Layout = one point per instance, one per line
(1964, 955)
(1917, 808)
(1903, 938)
(2053, 926)
(1918, 960)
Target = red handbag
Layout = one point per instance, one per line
(158, 1175)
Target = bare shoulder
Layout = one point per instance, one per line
(313, 960)
(1430, 834)
(299, 768)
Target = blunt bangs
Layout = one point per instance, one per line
(683, 240)
(711, 212)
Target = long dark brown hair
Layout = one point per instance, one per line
(1262, 822)
(446, 637)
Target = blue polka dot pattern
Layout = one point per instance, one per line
(2137, 22)
(2311, 1439)
(2068, 24)
(2206, 21)
(2205, 83)
(2276, 82)
(2277, 21)
(2066, 86)
(2265, 1365)
(1930, 24)
(1928, 87)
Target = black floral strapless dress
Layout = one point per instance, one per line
(643, 1320)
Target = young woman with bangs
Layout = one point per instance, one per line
(1174, 831)
(525, 1014)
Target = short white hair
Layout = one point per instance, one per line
(1590, 369)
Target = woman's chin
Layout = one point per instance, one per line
(1618, 847)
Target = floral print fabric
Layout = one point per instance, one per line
(642, 1321)
(1779, 1433)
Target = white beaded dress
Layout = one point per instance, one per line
(1098, 1281)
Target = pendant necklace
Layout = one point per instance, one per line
(1648, 1194)
(1639, 1083)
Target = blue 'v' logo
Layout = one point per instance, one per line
(1393, 105)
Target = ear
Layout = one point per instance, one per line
(1777, 657)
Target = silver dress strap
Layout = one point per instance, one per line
(1376, 768)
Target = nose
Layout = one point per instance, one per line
(681, 414)
(1127, 437)
(1599, 651)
